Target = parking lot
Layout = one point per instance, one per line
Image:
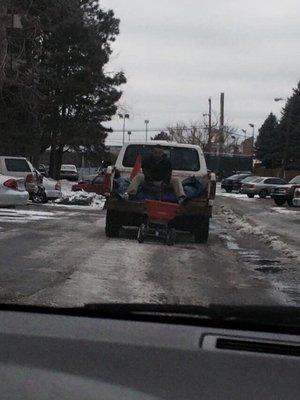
(59, 255)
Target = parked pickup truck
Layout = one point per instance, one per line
(187, 160)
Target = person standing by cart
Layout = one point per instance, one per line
(157, 171)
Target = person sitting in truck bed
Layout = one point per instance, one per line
(157, 171)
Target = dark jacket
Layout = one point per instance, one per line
(157, 171)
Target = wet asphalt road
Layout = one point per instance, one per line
(60, 256)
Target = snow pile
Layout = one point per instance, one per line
(239, 196)
(81, 199)
(85, 199)
(66, 186)
(243, 226)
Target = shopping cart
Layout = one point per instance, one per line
(158, 224)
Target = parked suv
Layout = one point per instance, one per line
(285, 193)
(261, 186)
(233, 182)
(20, 167)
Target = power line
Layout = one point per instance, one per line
(166, 130)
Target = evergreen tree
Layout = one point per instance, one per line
(290, 130)
(162, 136)
(268, 146)
(67, 47)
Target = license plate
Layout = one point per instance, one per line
(21, 186)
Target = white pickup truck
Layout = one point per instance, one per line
(187, 160)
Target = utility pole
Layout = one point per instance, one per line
(245, 132)
(146, 123)
(253, 129)
(209, 123)
(287, 135)
(222, 105)
(124, 117)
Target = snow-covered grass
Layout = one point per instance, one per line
(244, 226)
(82, 199)
(79, 200)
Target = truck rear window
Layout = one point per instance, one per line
(182, 158)
(17, 165)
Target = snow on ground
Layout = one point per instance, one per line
(244, 226)
(21, 216)
(239, 196)
(289, 211)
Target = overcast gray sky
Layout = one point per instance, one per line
(177, 53)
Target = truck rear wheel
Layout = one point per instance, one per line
(201, 232)
(290, 202)
(279, 202)
(112, 226)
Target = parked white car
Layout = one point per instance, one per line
(12, 191)
(52, 188)
(19, 167)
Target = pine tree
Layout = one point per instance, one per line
(67, 48)
(290, 130)
(162, 136)
(268, 146)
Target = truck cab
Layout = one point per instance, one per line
(186, 159)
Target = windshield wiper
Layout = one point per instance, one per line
(282, 315)
(272, 318)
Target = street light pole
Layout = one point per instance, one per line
(146, 123)
(245, 132)
(124, 117)
(253, 130)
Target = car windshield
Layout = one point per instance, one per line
(234, 177)
(17, 165)
(249, 179)
(295, 180)
(181, 158)
(68, 168)
(165, 129)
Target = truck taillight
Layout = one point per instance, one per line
(107, 182)
(212, 186)
(11, 184)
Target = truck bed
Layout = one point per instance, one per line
(193, 206)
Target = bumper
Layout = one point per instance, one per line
(296, 201)
(13, 198)
(227, 187)
(53, 194)
(249, 191)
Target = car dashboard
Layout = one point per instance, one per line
(46, 356)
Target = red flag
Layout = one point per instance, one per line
(137, 167)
